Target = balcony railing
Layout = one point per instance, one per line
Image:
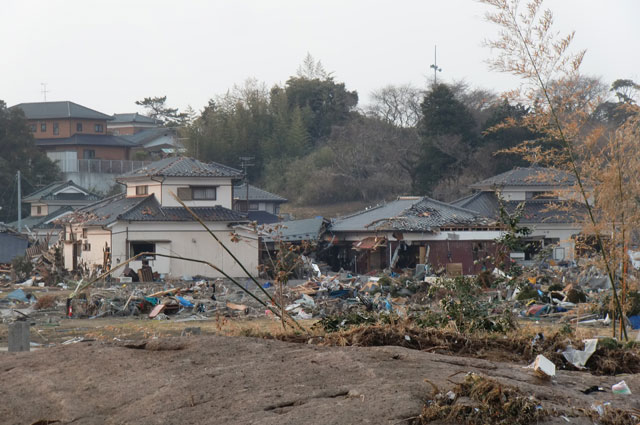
(108, 166)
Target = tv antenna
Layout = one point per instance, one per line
(434, 66)
(44, 90)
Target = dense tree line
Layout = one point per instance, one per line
(313, 144)
(20, 153)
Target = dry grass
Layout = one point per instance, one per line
(329, 211)
(514, 347)
(46, 301)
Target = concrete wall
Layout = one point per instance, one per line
(187, 240)
(100, 182)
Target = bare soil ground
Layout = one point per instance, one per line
(238, 380)
(328, 211)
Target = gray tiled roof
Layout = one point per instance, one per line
(132, 117)
(485, 203)
(145, 136)
(106, 211)
(255, 194)
(535, 210)
(42, 222)
(147, 208)
(262, 217)
(48, 193)
(87, 140)
(410, 214)
(528, 176)
(150, 210)
(64, 109)
(296, 230)
(182, 166)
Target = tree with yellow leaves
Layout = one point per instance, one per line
(601, 157)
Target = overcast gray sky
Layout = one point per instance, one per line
(108, 54)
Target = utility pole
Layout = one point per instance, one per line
(44, 90)
(19, 203)
(245, 162)
(434, 66)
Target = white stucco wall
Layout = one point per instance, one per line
(154, 187)
(97, 238)
(518, 193)
(563, 232)
(224, 191)
(44, 210)
(187, 239)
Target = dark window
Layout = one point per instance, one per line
(99, 128)
(56, 129)
(184, 193)
(86, 247)
(142, 190)
(143, 246)
(204, 193)
(88, 154)
(84, 233)
(43, 127)
(39, 210)
(79, 127)
(33, 128)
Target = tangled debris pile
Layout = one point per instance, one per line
(479, 400)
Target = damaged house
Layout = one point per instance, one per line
(550, 210)
(261, 206)
(410, 231)
(48, 205)
(147, 218)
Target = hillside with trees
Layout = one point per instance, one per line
(314, 143)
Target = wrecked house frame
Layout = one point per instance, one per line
(552, 209)
(411, 231)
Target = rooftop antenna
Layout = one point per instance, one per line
(245, 162)
(44, 90)
(434, 66)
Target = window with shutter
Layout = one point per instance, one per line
(184, 193)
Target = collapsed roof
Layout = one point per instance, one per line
(411, 214)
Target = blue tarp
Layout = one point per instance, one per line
(18, 295)
(635, 322)
(184, 302)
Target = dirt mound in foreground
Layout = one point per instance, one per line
(236, 380)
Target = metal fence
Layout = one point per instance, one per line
(107, 166)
